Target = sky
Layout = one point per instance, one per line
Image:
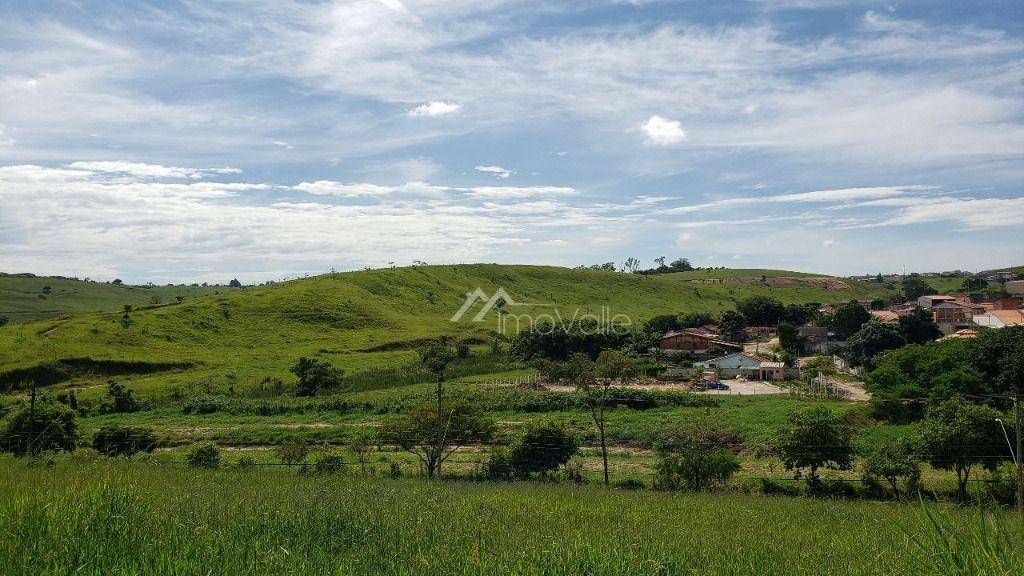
(261, 140)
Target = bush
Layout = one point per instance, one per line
(814, 438)
(462, 350)
(897, 463)
(293, 453)
(499, 465)
(693, 459)
(629, 484)
(329, 464)
(315, 375)
(246, 462)
(542, 448)
(52, 426)
(121, 399)
(204, 455)
(113, 441)
(203, 404)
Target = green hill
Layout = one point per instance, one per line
(26, 297)
(366, 319)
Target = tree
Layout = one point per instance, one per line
(848, 319)
(416, 432)
(814, 438)
(918, 327)
(878, 304)
(4, 320)
(117, 282)
(823, 365)
(871, 340)
(611, 366)
(761, 310)
(542, 448)
(680, 265)
(662, 324)
(789, 338)
(121, 399)
(203, 455)
(362, 443)
(631, 265)
(959, 435)
(48, 425)
(895, 462)
(913, 288)
(235, 283)
(693, 458)
(731, 325)
(315, 375)
(695, 319)
(124, 441)
(800, 314)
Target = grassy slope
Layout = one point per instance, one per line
(22, 298)
(125, 518)
(336, 316)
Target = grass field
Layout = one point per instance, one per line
(26, 298)
(117, 518)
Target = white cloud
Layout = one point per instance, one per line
(5, 140)
(496, 170)
(520, 191)
(972, 214)
(343, 190)
(149, 170)
(663, 132)
(435, 108)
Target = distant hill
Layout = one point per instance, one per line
(357, 318)
(26, 297)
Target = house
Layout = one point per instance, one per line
(1011, 303)
(745, 365)
(697, 341)
(1015, 288)
(965, 334)
(753, 332)
(1000, 318)
(951, 316)
(933, 299)
(815, 338)
(886, 316)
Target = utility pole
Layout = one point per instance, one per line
(1020, 475)
(440, 428)
(31, 420)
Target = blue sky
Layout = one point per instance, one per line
(262, 140)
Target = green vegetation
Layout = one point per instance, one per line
(28, 298)
(114, 517)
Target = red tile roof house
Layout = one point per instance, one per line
(1000, 318)
(697, 341)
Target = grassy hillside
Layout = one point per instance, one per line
(25, 298)
(366, 318)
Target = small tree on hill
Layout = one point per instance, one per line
(120, 399)
(235, 283)
(812, 439)
(789, 338)
(731, 324)
(49, 425)
(542, 448)
(914, 288)
(416, 432)
(315, 375)
(959, 435)
(362, 444)
(761, 310)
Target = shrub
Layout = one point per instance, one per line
(203, 404)
(329, 464)
(542, 448)
(629, 484)
(113, 441)
(246, 462)
(121, 399)
(693, 459)
(462, 350)
(204, 455)
(315, 375)
(499, 465)
(814, 438)
(52, 426)
(293, 452)
(895, 462)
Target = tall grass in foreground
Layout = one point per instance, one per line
(117, 518)
(986, 544)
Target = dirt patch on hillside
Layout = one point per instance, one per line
(780, 281)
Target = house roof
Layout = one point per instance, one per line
(1008, 317)
(885, 315)
(961, 334)
(773, 365)
(939, 297)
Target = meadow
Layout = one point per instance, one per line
(86, 516)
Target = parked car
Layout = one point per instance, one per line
(717, 385)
